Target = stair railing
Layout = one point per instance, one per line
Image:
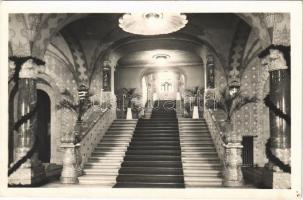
(77, 150)
(229, 151)
(216, 134)
(93, 135)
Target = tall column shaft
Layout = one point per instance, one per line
(276, 58)
(31, 171)
(27, 100)
(279, 128)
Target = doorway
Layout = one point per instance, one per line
(43, 126)
(248, 151)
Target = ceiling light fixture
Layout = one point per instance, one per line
(152, 23)
(159, 57)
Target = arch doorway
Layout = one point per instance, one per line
(163, 84)
(43, 125)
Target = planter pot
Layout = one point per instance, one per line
(195, 112)
(129, 114)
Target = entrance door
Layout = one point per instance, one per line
(43, 127)
(248, 151)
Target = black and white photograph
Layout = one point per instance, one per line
(197, 100)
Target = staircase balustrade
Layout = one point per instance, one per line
(76, 153)
(229, 153)
(216, 134)
(94, 134)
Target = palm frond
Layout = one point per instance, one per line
(230, 104)
(67, 105)
(67, 95)
(241, 101)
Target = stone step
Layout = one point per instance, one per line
(151, 158)
(120, 132)
(147, 178)
(114, 172)
(192, 148)
(168, 164)
(110, 154)
(111, 145)
(151, 170)
(153, 147)
(201, 164)
(110, 149)
(148, 185)
(153, 152)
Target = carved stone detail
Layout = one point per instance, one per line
(69, 173)
(233, 176)
(276, 60)
(30, 70)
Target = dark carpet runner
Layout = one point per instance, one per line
(153, 158)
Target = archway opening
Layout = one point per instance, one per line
(43, 126)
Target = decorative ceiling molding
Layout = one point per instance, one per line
(78, 55)
(169, 65)
(237, 51)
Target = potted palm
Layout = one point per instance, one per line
(133, 103)
(192, 106)
(78, 107)
(230, 101)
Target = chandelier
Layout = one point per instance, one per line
(152, 23)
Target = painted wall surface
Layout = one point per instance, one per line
(252, 119)
(60, 77)
(130, 77)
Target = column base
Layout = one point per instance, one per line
(27, 176)
(195, 113)
(69, 180)
(233, 183)
(276, 180)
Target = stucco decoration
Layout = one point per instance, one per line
(60, 74)
(238, 46)
(252, 49)
(279, 26)
(255, 20)
(18, 40)
(78, 56)
(49, 26)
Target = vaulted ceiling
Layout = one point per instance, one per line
(96, 32)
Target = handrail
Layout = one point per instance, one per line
(92, 135)
(216, 134)
(91, 122)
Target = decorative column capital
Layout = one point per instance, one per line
(11, 64)
(30, 69)
(275, 57)
(276, 60)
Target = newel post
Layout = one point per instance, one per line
(69, 174)
(233, 176)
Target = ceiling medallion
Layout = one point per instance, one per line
(152, 23)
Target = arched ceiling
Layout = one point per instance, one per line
(97, 30)
(149, 58)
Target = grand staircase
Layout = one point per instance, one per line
(160, 152)
(153, 158)
(103, 166)
(201, 165)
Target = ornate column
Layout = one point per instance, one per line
(31, 171)
(276, 58)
